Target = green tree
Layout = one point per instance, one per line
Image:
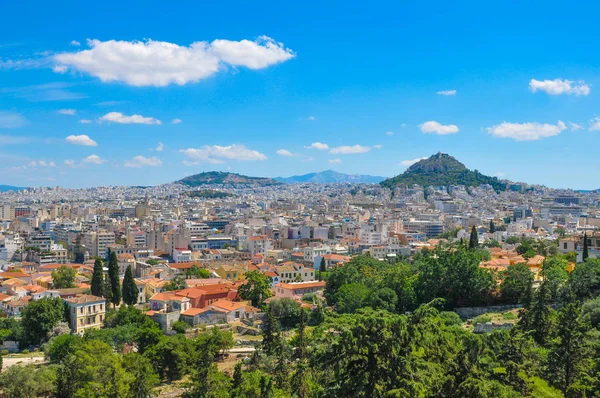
(60, 347)
(27, 381)
(585, 253)
(130, 289)
(384, 299)
(287, 310)
(517, 285)
(177, 283)
(256, 288)
(170, 357)
(113, 275)
(492, 227)
(271, 333)
(107, 289)
(322, 267)
(97, 278)
(39, 317)
(144, 377)
(538, 319)
(567, 348)
(196, 272)
(473, 239)
(63, 277)
(351, 297)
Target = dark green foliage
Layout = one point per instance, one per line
(473, 239)
(39, 317)
(585, 278)
(517, 285)
(130, 289)
(271, 333)
(180, 326)
(442, 170)
(208, 194)
(113, 276)
(492, 227)
(585, 253)
(63, 277)
(196, 272)
(287, 311)
(256, 288)
(177, 283)
(97, 278)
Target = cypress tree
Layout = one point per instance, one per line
(130, 290)
(492, 227)
(97, 279)
(107, 289)
(585, 253)
(271, 334)
(474, 239)
(113, 274)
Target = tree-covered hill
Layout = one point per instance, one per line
(224, 178)
(441, 170)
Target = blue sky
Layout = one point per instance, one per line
(272, 89)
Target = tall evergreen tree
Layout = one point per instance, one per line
(107, 289)
(300, 352)
(492, 227)
(300, 377)
(130, 290)
(97, 279)
(323, 265)
(271, 334)
(585, 253)
(538, 318)
(115, 283)
(474, 239)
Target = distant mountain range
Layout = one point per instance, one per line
(224, 178)
(6, 188)
(441, 170)
(330, 176)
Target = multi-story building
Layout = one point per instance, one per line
(97, 242)
(85, 312)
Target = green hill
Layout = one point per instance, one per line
(224, 178)
(442, 170)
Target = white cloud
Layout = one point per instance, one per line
(318, 146)
(33, 163)
(311, 118)
(70, 163)
(446, 92)
(160, 147)
(158, 63)
(575, 126)
(595, 124)
(220, 154)
(176, 121)
(349, 150)
(499, 174)
(83, 140)
(85, 121)
(75, 43)
(390, 133)
(437, 128)
(410, 162)
(526, 131)
(118, 117)
(559, 86)
(284, 152)
(51, 164)
(10, 120)
(43, 163)
(335, 161)
(141, 161)
(70, 112)
(378, 146)
(94, 159)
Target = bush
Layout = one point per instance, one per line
(4, 352)
(180, 326)
(25, 351)
(485, 318)
(309, 298)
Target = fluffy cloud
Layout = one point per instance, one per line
(11, 120)
(75, 43)
(526, 131)
(70, 112)
(94, 159)
(349, 150)
(159, 63)
(437, 128)
(335, 161)
(220, 154)
(446, 92)
(284, 152)
(70, 163)
(42, 163)
(176, 121)
(410, 162)
(81, 140)
(141, 161)
(559, 86)
(159, 147)
(595, 124)
(118, 117)
(85, 121)
(318, 146)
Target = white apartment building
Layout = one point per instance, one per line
(97, 242)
